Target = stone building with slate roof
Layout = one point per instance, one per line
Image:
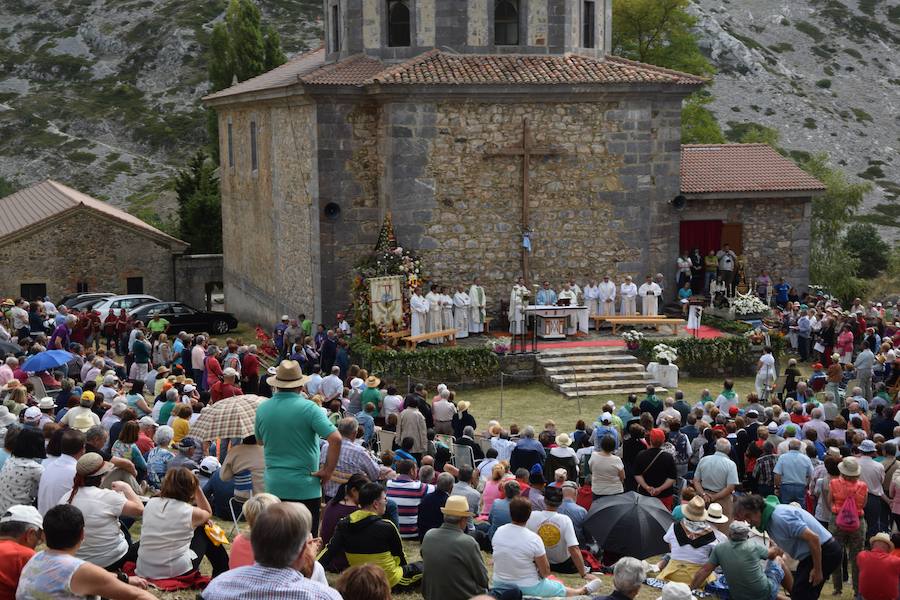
(429, 109)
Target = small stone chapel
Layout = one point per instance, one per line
(483, 126)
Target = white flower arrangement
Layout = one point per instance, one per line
(748, 304)
(663, 352)
(632, 335)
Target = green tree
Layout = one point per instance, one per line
(658, 32)
(698, 123)
(863, 242)
(7, 187)
(199, 205)
(274, 55)
(830, 264)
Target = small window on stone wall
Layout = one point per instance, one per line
(335, 28)
(81, 287)
(589, 23)
(506, 23)
(399, 23)
(254, 157)
(33, 291)
(230, 146)
(134, 285)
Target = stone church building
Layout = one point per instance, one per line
(482, 126)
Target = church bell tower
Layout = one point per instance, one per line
(400, 29)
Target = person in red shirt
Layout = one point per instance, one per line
(250, 371)
(145, 436)
(213, 367)
(21, 530)
(225, 388)
(879, 569)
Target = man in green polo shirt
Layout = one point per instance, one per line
(157, 325)
(290, 427)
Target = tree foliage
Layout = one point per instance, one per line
(830, 262)
(199, 205)
(862, 242)
(658, 32)
(7, 187)
(698, 123)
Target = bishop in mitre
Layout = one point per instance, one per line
(435, 313)
(518, 300)
(418, 321)
(461, 306)
(650, 293)
(477, 307)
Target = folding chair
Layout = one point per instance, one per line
(385, 440)
(243, 482)
(485, 444)
(464, 455)
(39, 390)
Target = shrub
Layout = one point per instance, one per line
(823, 83)
(435, 363)
(729, 356)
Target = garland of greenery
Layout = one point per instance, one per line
(386, 260)
(436, 363)
(712, 357)
(726, 325)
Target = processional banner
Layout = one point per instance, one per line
(387, 299)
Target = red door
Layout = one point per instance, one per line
(705, 235)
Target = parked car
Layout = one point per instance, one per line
(182, 317)
(117, 303)
(70, 300)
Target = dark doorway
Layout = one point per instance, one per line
(134, 285)
(33, 291)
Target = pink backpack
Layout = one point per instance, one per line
(848, 517)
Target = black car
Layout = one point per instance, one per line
(182, 317)
(81, 300)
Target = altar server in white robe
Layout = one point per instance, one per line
(591, 294)
(461, 306)
(518, 300)
(628, 292)
(477, 308)
(447, 308)
(606, 297)
(650, 293)
(567, 293)
(435, 313)
(580, 300)
(418, 321)
(579, 294)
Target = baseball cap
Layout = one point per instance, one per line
(229, 372)
(733, 411)
(570, 484)
(605, 417)
(186, 444)
(772, 427)
(147, 422)
(189, 389)
(19, 513)
(32, 413)
(657, 436)
(209, 465)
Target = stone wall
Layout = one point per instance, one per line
(269, 215)
(775, 232)
(85, 246)
(195, 277)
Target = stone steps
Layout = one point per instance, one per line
(603, 371)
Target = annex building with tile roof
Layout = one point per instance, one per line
(55, 240)
(429, 110)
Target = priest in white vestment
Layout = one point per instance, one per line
(418, 319)
(446, 309)
(628, 292)
(591, 295)
(650, 293)
(579, 294)
(606, 297)
(477, 308)
(518, 300)
(461, 306)
(435, 313)
(567, 293)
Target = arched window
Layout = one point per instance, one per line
(506, 23)
(398, 23)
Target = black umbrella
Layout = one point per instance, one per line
(629, 524)
(10, 348)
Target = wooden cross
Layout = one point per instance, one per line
(526, 150)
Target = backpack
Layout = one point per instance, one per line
(848, 517)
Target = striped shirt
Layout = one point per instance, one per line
(352, 459)
(408, 495)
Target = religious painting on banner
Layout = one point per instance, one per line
(387, 299)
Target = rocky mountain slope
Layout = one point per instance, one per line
(102, 94)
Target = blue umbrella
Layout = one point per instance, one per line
(47, 360)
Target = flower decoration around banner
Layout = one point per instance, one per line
(748, 304)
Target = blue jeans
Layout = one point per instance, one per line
(775, 574)
(793, 492)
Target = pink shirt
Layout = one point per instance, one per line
(241, 553)
(491, 493)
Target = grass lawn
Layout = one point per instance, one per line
(533, 404)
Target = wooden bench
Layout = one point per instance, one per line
(394, 337)
(616, 322)
(413, 340)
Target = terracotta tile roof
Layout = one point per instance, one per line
(437, 67)
(287, 74)
(33, 205)
(730, 168)
(355, 70)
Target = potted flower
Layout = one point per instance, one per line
(500, 346)
(664, 354)
(748, 305)
(633, 339)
